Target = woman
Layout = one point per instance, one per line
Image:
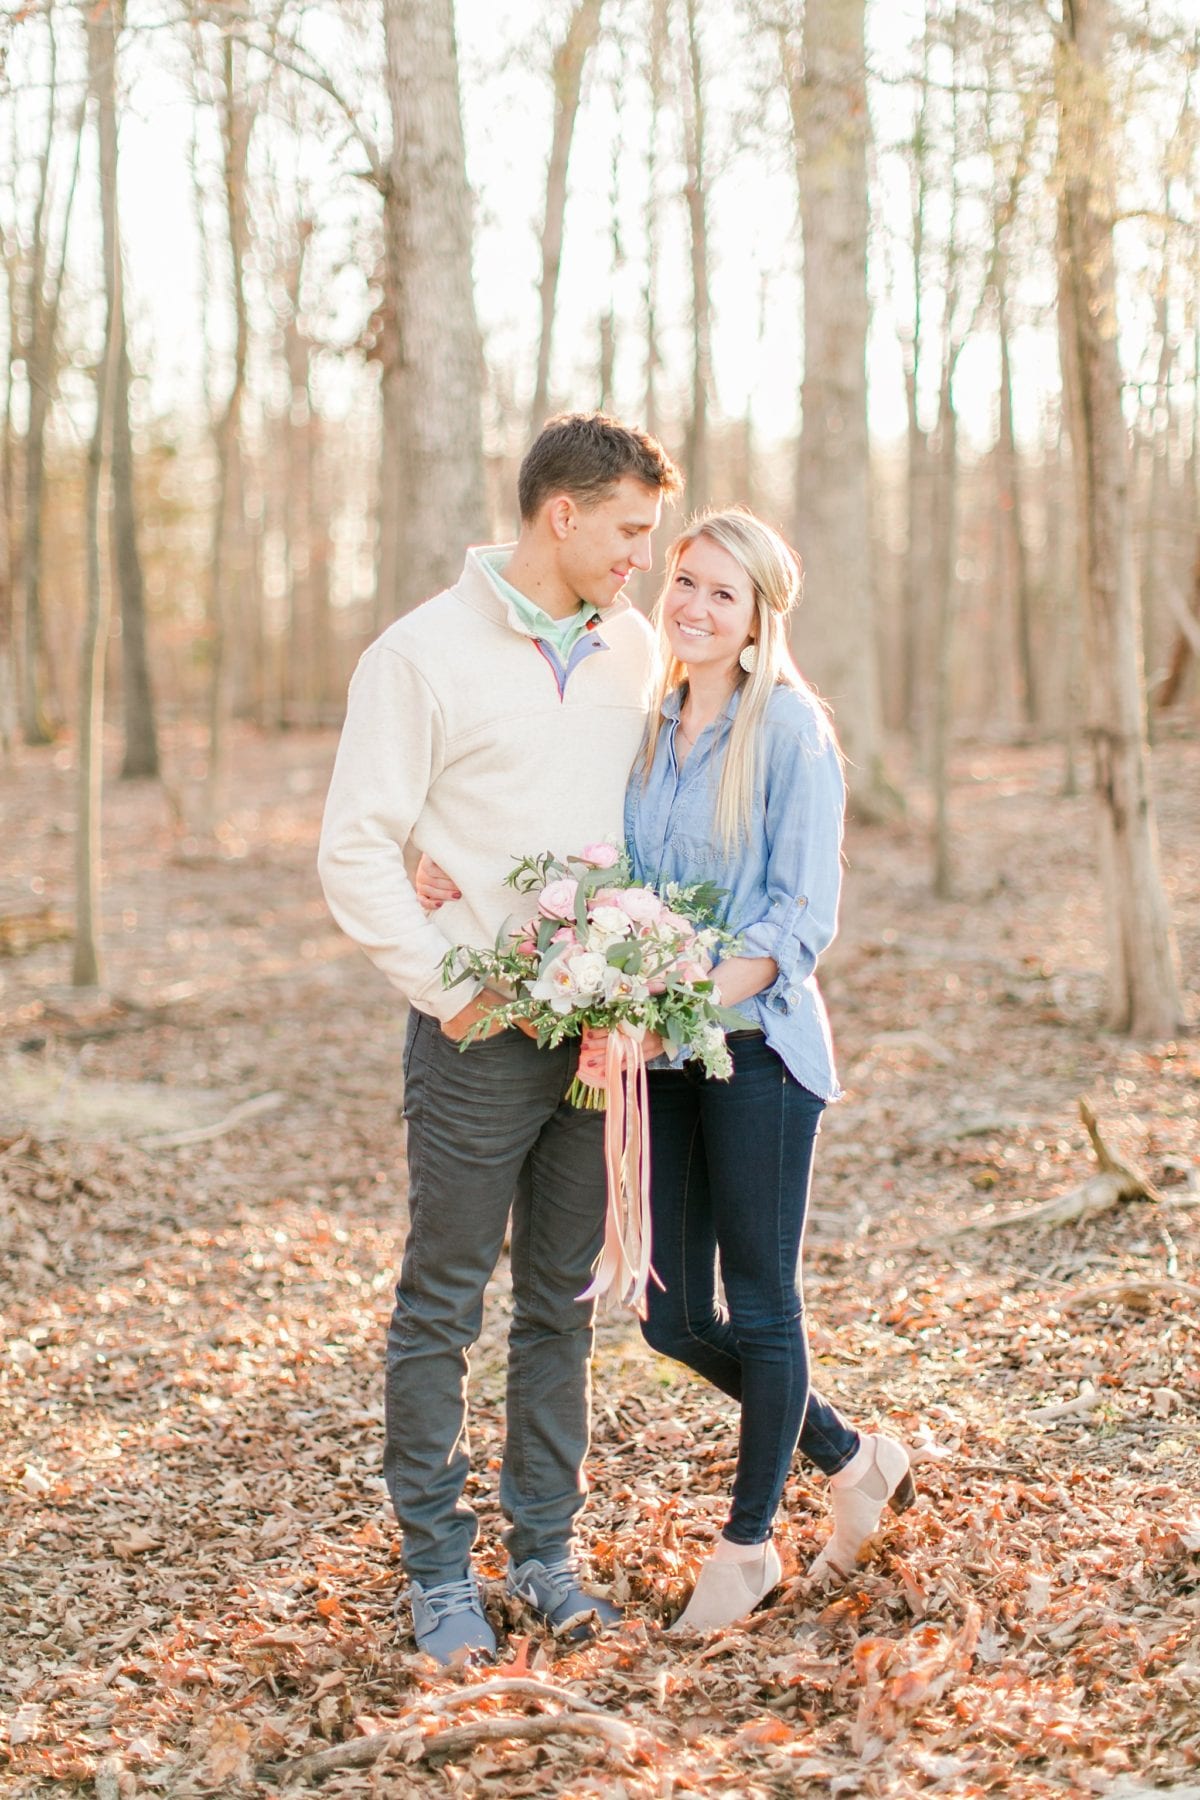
(740, 782)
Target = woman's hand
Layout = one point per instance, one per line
(740, 976)
(593, 1046)
(432, 884)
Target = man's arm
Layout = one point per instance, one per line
(390, 752)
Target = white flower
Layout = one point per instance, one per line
(620, 985)
(588, 972)
(556, 987)
(608, 925)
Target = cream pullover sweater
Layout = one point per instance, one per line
(466, 740)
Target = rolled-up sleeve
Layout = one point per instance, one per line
(805, 807)
(390, 751)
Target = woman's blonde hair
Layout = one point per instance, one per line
(776, 577)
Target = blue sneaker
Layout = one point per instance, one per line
(555, 1591)
(449, 1622)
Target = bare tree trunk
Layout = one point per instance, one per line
(657, 56)
(9, 716)
(695, 448)
(392, 484)
(235, 132)
(1012, 522)
(914, 671)
(432, 384)
(141, 733)
(583, 28)
(141, 729)
(945, 587)
(833, 495)
(1144, 993)
(1186, 646)
(608, 319)
(39, 349)
(299, 654)
(1157, 584)
(86, 968)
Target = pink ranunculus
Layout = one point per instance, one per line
(527, 947)
(601, 856)
(604, 897)
(639, 904)
(679, 925)
(557, 899)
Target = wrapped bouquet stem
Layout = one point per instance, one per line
(624, 1268)
(597, 950)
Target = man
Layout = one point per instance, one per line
(499, 719)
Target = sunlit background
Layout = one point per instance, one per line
(959, 93)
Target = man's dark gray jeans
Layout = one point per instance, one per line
(489, 1129)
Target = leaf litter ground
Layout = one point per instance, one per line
(199, 1567)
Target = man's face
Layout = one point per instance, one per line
(605, 542)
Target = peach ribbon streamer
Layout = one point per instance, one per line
(624, 1270)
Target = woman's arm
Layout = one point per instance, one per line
(740, 976)
(805, 804)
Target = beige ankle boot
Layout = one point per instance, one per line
(877, 1476)
(729, 1588)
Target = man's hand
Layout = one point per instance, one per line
(486, 1001)
(433, 886)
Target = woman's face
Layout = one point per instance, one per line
(708, 610)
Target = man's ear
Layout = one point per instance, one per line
(560, 516)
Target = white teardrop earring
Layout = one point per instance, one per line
(749, 657)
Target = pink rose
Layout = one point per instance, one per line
(640, 905)
(601, 856)
(565, 936)
(557, 899)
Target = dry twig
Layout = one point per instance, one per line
(201, 1134)
(458, 1740)
(1114, 1181)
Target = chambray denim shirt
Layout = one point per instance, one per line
(783, 884)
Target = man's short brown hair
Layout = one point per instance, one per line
(585, 455)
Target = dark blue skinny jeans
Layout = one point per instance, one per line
(730, 1176)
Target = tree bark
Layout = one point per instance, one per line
(235, 132)
(655, 78)
(836, 628)
(9, 717)
(86, 967)
(1143, 981)
(141, 732)
(39, 348)
(583, 28)
(941, 647)
(1186, 645)
(1012, 517)
(432, 383)
(695, 447)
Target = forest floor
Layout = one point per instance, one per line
(198, 1570)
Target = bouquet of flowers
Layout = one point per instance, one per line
(593, 948)
(597, 949)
